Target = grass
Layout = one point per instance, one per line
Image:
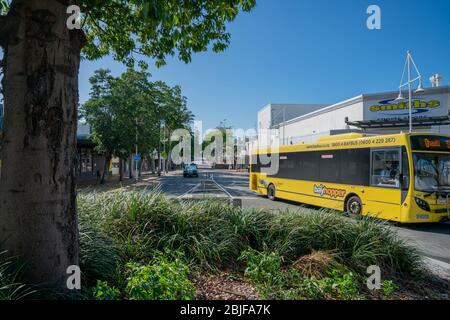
(132, 226)
(127, 239)
(11, 287)
(213, 235)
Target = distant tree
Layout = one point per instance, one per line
(211, 144)
(139, 100)
(120, 111)
(175, 116)
(128, 111)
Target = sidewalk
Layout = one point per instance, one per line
(146, 180)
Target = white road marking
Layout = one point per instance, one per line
(223, 189)
(190, 190)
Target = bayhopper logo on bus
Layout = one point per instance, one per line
(331, 192)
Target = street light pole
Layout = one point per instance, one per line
(159, 149)
(135, 158)
(284, 124)
(409, 61)
(164, 144)
(409, 92)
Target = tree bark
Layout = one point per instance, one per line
(108, 158)
(38, 219)
(130, 164)
(120, 169)
(159, 153)
(152, 164)
(141, 166)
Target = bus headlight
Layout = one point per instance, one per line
(422, 204)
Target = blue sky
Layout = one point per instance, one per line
(298, 51)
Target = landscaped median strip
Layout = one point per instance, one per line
(130, 239)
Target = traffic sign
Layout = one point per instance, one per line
(137, 157)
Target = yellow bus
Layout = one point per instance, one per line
(399, 177)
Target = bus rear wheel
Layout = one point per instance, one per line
(354, 205)
(271, 192)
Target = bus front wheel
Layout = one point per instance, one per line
(354, 205)
(271, 192)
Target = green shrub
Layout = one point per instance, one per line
(143, 222)
(262, 267)
(102, 291)
(162, 279)
(338, 284)
(99, 257)
(388, 288)
(213, 235)
(11, 287)
(342, 285)
(358, 244)
(264, 270)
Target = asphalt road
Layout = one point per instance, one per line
(432, 240)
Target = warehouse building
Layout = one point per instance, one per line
(275, 116)
(378, 113)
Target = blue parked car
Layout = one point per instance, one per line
(190, 170)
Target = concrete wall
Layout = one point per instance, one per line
(285, 112)
(309, 127)
(274, 115)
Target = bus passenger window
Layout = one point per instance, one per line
(386, 168)
(405, 171)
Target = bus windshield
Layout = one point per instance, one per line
(432, 172)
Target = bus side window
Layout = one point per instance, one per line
(386, 168)
(405, 171)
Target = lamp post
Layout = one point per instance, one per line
(407, 67)
(136, 155)
(159, 148)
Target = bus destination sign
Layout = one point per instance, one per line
(430, 143)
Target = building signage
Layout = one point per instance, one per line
(425, 106)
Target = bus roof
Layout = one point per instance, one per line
(347, 141)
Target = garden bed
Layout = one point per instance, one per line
(138, 245)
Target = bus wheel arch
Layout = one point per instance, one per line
(353, 204)
(271, 192)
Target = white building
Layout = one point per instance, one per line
(275, 116)
(372, 113)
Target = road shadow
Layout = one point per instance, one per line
(434, 228)
(437, 228)
(299, 205)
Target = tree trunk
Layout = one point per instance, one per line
(169, 155)
(141, 167)
(169, 160)
(130, 163)
(120, 169)
(159, 157)
(38, 219)
(152, 164)
(108, 158)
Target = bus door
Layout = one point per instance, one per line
(384, 196)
